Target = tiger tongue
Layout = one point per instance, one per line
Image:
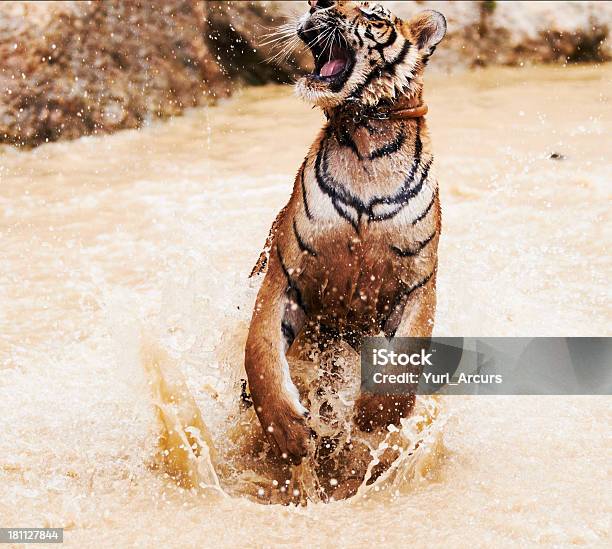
(333, 67)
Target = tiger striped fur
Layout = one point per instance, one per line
(354, 252)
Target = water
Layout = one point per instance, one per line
(125, 306)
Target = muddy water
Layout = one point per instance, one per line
(125, 306)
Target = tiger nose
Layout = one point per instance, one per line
(320, 4)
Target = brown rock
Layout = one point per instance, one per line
(78, 68)
(479, 33)
(239, 36)
(515, 33)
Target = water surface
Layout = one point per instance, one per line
(144, 240)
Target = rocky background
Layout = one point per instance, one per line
(79, 68)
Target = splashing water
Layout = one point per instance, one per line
(344, 461)
(126, 305)
(186, 448)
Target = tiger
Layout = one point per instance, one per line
(354, 251)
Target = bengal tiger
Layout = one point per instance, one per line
(354, 251)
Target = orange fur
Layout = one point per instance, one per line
(350, 254)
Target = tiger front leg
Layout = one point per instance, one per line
(413, 316)
(277, 320)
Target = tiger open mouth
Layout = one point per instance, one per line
(333, 62)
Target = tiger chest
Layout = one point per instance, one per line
(364, 230)
(354, 278)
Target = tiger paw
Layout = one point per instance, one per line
(287, 430)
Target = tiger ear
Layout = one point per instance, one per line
(427, 29)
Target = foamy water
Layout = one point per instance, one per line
(125, 306)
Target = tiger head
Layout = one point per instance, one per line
(363, 54)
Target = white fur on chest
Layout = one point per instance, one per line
(361, 203)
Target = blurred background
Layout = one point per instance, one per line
(78, 68)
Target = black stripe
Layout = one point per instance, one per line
(372, 16)
(418, 149)
(288, 332)
(339, 196)
(418, 143)
(389, 41)
(403, 297)
(390, 148)
(344, 138)
(419, 284)
(290, 283)
(402, 197)
(283, 267)
(304, 200)
(425, 58)
(414, 251)
(360, 88)
(302, 245)
(356, 31)
(388, 67)
(426, 210)
(344, 210)
(343, 200)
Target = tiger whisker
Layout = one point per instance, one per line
(285, 51)
(286, 41)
